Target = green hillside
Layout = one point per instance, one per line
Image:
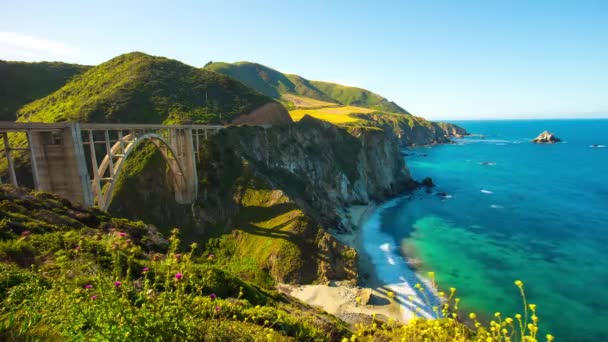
(357, 97)
(68, 273)
(21, 83)
(137, 87)
(275, 84)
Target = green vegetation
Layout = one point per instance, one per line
(357, 97)
(275, 84)
(140, 88)
(22, 83)
(71, 273)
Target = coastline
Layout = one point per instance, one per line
(355, 304)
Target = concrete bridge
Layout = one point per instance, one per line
(82, 162)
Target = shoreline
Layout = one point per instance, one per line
(372, 295)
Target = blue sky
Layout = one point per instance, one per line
(438, 59)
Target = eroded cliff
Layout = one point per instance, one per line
(268, 196)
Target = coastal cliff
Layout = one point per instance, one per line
(411, 130)
(268, 196)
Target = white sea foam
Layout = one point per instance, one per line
(597, 146)
(496, 206)
(392, 269)
(487, 192)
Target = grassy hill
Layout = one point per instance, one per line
(21, 83)
(137, 87)
(338, 104)
(275, 84)
(67, 273)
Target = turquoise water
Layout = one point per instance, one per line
(515, 210)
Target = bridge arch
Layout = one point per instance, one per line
(121, 150)
(60, 164)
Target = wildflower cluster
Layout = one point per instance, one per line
(168, 296)
(449, 325)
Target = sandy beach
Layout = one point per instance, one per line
(395, 301)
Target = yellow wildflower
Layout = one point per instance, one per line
(519, 283)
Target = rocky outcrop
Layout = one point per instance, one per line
(412, 130)
(270, 195)
(546, 137)
(334, 166)
(452, 130)
(269, 113)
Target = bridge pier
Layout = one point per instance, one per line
(185, 187)
(58, 164)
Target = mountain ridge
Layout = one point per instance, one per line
(24, 82)
(137, 87)
(274, 83)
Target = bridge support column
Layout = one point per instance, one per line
(58, 164)
(181, 141)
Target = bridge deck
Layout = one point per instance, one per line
(9, 126)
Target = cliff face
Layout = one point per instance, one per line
(267, 196)
(333, 166)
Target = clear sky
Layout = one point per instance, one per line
(438, 59)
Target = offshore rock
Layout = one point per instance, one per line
(546, 137)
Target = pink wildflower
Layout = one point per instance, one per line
(212, 296)
(178, 276)
(217, 309)
(93, 297)
(117, 284)
(145, 269)
(88, 286)
(121, 234)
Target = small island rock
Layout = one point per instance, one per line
(546, 137)
(428, 182)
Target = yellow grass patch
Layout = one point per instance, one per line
(335, 115)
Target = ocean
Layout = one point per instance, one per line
(505, 209)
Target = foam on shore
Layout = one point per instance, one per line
(391, 269)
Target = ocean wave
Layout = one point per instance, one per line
(487, 192)
(391, 267)
(496, 206)
(597, 146)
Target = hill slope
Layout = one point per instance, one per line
(338, 104)
(137, 87)
(68, 273)
(275, 84)
(21, 83)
